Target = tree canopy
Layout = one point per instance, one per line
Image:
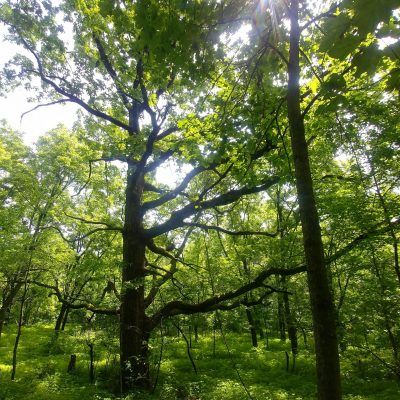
(277, 123)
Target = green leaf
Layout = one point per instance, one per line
(344, 46)
(370, 12)
(106, 7)
(367, 60)
(335, 82)
(335, 28)
(393, 82)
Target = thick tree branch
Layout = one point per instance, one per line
(107, 64)
(75, 306)
(86, 221)
(173, 193)
(163, 252)
(148, 187)
(177, 218)
(244, 302)
(228, 232)
(167, 132)
(164, 156)
(216, 302)
(179, 307)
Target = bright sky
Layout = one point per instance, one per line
(38, 122)
(44, 119)
(15, 104)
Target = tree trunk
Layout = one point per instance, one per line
(7, 303)
(304, 333)
(290, 324)
(281, 319)
(196, 329)
(385, 312)
(60, 318)
(249, 314)
(327, 357)
(260, 329)
(252, 328)
(134, 332)
(65, 319)
(91, 365)
(19, 331)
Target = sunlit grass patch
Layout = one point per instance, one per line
(227, 389)
(228, 368)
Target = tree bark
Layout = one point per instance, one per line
(19, 331)
(65, 319)
(290, 324)
(61, 317)
(252, 328)
(7, 302)
(327, 357)
(134, 332)
(91, 365)
(281, 320)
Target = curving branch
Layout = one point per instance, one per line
(167, 132)
(177, 218)
(328, 13)
(75, 306)
(105, 159)
(378, 229)
(52, 103)
(148, 187)
(164, 156)
(168, 274)
(111, 71)
(221, 177)
(163, 252)
(217, 302)
(228, 232)
(86, 221)
(173, 193)
(67, 95)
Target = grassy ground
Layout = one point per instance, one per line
(236, 371)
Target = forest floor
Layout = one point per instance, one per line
(227, 368)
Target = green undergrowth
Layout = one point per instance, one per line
(231, 369)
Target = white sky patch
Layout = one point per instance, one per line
(171, 174)
(386, 41)
(241, 35)
(342, 157)
(234, 42)
(38, 122)
(14, 104)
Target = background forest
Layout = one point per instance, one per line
(222, 221)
